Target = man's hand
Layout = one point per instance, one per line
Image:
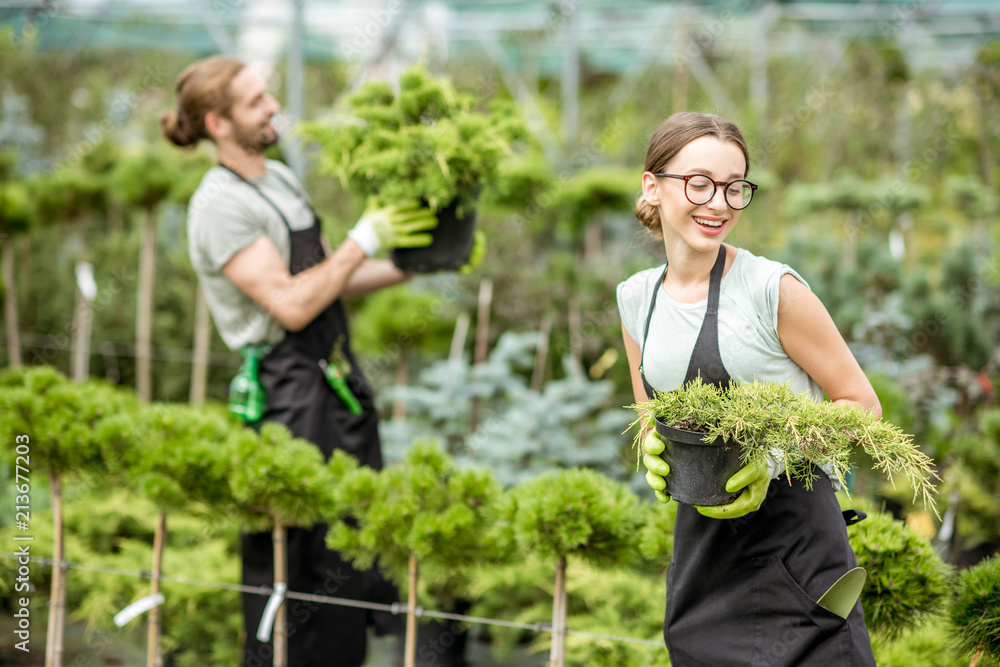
(477, 254)
(389, 227)
(754, 480)
(656, 468)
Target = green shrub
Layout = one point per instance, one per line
(975, 611)
(774, 424)
(425, 142)
(907, 581)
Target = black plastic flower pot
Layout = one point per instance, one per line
(453, 240)
(698, 470)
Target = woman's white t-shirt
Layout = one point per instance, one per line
(748, 326)
(748, 329)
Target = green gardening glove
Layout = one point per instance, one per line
(477, 254)
(656, 468)
(389, 227)
(754, 480)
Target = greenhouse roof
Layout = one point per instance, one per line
(611, 34)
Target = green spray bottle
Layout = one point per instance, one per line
(246, 394)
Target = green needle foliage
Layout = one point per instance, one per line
(907, 581)
(182, 459)
(61, 418)
(592, 193)
(774, 424)
(423, 506)
(656, 537)
(150, 175)
(425, 142)
(577, 512)
(277, 477)
(975, 610)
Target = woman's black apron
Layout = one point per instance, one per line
(743, 591)
(298, 396)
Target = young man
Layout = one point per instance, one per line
(271, 281)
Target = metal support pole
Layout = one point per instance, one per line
(294, 92)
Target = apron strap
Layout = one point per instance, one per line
(645, 334)
(705, 355)
(268, 199)
(706, 361)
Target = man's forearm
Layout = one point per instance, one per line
(306, 294)
(371, 276)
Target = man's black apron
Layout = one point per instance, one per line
(299, 397)
(742, 591)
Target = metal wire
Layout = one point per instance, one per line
(395, 608)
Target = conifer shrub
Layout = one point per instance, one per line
(424, 141)
(975, 610)
(907, 582)
(773, 424)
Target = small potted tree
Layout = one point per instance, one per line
(277, 481)
(576, 512)
(423, 142)
(710, 432)
(180, 464)
(55, 423)
(424, 520)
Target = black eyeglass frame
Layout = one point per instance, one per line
(715, 187)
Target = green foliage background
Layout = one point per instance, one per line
(879, 184)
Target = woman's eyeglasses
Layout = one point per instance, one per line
(699, 189)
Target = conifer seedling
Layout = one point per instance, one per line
(421, 517)
(773, 424)
(277, 481)
(421, 141)
(577, 512)
(58, 421)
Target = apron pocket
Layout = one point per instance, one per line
(789, 627)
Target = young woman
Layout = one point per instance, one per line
(744, 577)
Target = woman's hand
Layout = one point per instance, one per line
(754, 480)
(656, 468)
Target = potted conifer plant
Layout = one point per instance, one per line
(711, 432)
(423, 142)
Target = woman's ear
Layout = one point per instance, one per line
(650, 189)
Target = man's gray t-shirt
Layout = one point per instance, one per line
(225, 216)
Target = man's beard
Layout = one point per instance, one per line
(256, 140)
